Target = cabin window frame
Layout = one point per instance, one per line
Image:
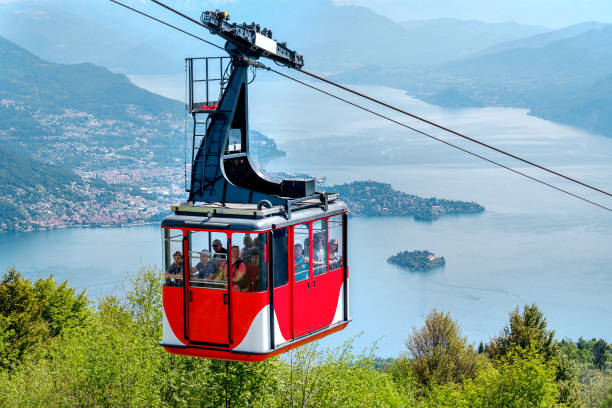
(168, 250)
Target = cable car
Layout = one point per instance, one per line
(253, 267)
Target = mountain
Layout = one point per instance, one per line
(583, 58)
(590, 109)
(81, 145)
(105, 119)
(562, 76)
(548, 79)
(442, 40)
(546, 38)
(81, 86)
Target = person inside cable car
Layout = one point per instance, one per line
(205, 269)
(318, 254)
(221, 275)
(220, 252)
(335, 260)
(174, 272)
(248, 245)
(239, 275)
(301, 263)
(252, 272)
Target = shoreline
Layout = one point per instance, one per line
(84, 226)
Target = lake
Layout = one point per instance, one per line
(532, 244)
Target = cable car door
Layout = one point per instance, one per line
(301, 313)
(207, 294)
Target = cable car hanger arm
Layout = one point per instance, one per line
(249, 40)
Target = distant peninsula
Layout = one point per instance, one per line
(372, 198)
(417, 260)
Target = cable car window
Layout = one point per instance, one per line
(335, 243)
(208, 259)
(249, 262)
(280, 257)
(173, 257)
(319, 247)
(300, 252)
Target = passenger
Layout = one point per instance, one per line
(248, 245)
(174, 272)
(239, 276)
(318, 254)
(252, 271)
(301, 263)
(335, 260)
(307, 246)
(221, 275)
(205, 269)
(220, 252)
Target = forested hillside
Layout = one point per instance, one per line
(56, 349)
(84, 146)
(82, 115)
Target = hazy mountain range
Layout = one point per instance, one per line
(559, 75)
(334, 39)
(449, 62)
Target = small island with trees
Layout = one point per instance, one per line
(417, 260)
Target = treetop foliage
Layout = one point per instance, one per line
(439, 354)
(31, 314)
(525, 330)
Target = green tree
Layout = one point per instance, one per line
(607, 401)
(113, 359)
(438, 354)
(528, 331)
(595, 386)
(310, 377)
(566, 378)
(600, 351)
(31, 314)
(525, 330)
(522, 379)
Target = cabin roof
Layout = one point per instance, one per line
(245, 217)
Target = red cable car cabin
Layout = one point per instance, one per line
(264, 266)
(251, 285)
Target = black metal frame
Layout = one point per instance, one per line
(194, 106)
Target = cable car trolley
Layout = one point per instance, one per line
(253, 267)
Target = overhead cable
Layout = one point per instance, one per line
(167, 24)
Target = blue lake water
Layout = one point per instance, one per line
(532, 244)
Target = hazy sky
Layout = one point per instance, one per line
(550, 13)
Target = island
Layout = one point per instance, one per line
(417, 260)
(372, 198)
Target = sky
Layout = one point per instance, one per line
(548, 13)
